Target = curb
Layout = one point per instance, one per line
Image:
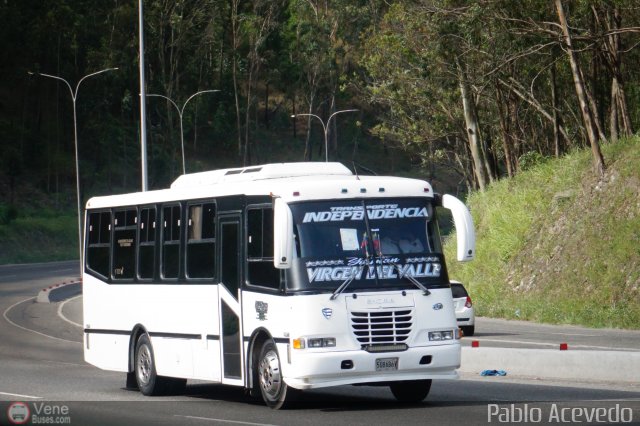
(59, 292)
(609, 366)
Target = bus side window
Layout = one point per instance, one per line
(147, 249)
(124, 244)
(201, 240)
(99, 238)
(171, 241)
(261, 271)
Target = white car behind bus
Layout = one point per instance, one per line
(464, 308)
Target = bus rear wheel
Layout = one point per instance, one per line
(410, 391)
(275, 392)
(148, 381)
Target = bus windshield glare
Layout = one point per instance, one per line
(395, 241)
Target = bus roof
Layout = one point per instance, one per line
(265, 171)
(291, 181)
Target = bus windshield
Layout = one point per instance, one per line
(395, 241)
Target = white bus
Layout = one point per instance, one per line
(276, 278)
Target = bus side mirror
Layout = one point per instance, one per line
(465, 234)
(282, 234)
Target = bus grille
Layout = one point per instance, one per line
(381, 328)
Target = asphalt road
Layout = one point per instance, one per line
(41, 365)
(521, 334)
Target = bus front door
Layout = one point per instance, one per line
(229, 298)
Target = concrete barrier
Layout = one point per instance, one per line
(609, 366)
(59, 292)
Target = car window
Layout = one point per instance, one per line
(458, 290)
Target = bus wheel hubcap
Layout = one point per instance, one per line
(269, 372)
(144, 364)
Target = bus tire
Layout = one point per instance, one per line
(149, 382)
(275, 392)
(410, 391)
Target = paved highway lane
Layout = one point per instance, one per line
(521, 334)
(451, 403)
(33, 276)
(41, 364)
(19, 284)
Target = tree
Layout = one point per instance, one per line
(419, 66)
(421, 72)
(609, 19)
(586, 108)
(176, 32)
(472, 127)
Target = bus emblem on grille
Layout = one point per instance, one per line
(327, 312)
(437, 306)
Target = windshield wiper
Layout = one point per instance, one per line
(340, 289)
(412, 280)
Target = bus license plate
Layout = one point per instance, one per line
(386, 364)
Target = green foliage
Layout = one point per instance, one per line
(558, 245)
(398, 63)
(39, 239)
(530, 159)
(8, 213)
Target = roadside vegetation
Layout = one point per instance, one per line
(557, 244)
(39, 239)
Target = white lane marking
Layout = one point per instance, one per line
(64, 363)
(536, 328)
(20, 396)
(4, 314)
(61, 315)
(566, 334)
(222, 420)
(525, 342)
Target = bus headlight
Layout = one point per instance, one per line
(314, 342)
(436, 336)
(322, 342)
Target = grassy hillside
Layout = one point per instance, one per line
(39, 239)
(559, 245)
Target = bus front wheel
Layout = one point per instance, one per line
(411, 391)
(275, 392)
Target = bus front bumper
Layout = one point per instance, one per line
(309, 370)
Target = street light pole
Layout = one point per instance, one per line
(74, 96)
(180, 113)
(325, 127)
(143, 108)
